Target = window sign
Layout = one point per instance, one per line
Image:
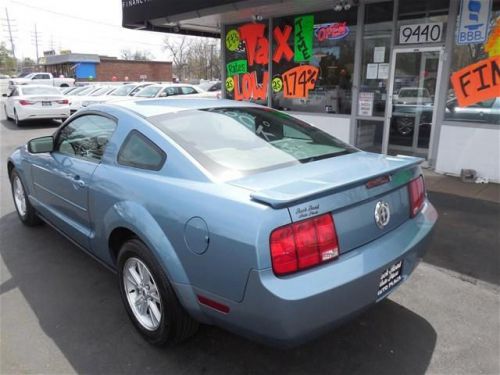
(371, 71)
(365, 104)
(473, 21)
(421, 33)
(303, 38)
(379, 54)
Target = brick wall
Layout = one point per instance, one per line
(154, 70)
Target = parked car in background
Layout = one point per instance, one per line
(171, 89)
(117, 94)
(487, 111)
(211, 89)
(34, 102)
(77, 99)
(42, 79)
(227, 213)
(68, 90)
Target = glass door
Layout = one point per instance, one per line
(413, 88)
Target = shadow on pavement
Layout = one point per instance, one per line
(467, 237)
(77, 304)
(26, 125)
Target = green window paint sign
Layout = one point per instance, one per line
(303, 33)
(237, 67)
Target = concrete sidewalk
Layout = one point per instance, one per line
(453, 185)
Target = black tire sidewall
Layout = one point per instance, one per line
(164, 334)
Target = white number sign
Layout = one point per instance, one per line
(421, 33)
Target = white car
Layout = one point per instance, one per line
(162, 91)
(118, 94)
(75, 100)
(33, 102)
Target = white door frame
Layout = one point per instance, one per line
(388, 117)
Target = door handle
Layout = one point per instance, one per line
(78, 181)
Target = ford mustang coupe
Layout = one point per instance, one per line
(226, 213)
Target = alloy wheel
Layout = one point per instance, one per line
(19, 196)
(142, 293)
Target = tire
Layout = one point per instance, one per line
(404, 126)
(174, 325)
(64, 85)
(6, 115)
(26, 212)
(16, 119)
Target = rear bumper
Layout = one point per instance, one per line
(290, 310)
(42, 113)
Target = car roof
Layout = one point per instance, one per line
(155, 107)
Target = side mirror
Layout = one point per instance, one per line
(41, 145)
(4, 95)
(163, 95)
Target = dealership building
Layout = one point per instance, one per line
(412, 77)
(91, 67)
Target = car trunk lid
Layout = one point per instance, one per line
(349, 186)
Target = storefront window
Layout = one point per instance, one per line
(313, 72)
(376, 53)
(247, 62)
(476, 75)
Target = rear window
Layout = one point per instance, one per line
(233, 142)
(40, 91)
(123, 90)
(139, 152)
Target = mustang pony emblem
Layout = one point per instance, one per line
(382, 214)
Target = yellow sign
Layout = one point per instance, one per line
(492, 45)
(229, 84)
(232, 40)
(277, 84)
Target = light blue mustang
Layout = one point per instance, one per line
(226, 213)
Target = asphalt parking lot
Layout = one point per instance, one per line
(60, 311)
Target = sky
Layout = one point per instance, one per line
(82, 26)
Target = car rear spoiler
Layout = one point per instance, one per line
(308, 188)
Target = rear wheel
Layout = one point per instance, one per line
(24, 209)
(149, 298)
(16, 119)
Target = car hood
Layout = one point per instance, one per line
(282, 187)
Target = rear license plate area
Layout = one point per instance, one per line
(46, 104)
(390, 277)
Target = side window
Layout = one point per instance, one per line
(188, 90)
(139, 152)
(86, 137)
(41, 76)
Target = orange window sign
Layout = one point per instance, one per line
(299, 80)
(477, 82)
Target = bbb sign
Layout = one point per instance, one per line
(474, 21)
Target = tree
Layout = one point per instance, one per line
(8, 65)
(127, 54)
(178, 48)
(194, 58)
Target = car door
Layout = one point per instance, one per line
(62, 178)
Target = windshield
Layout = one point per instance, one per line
(101, 91)
(123, 91)
(40, 91)
(148, 92)
(240, 141)
(86, 91)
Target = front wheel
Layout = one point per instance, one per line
(149, 299)
(404, 126)
(24, 209)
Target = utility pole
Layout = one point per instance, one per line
(35, 40)
(9, 24)
(9, 29)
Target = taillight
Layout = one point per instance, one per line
(304, 244)
(416, 191)
(63, 101)
(26, 102)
